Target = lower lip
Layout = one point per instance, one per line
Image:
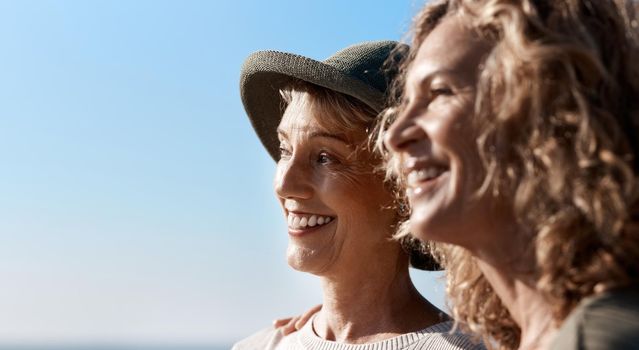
(307, 230)
(426, 186)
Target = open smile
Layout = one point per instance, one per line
(302, 223)
(417, 176)
(423, 180)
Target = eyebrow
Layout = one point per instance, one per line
(323, 134)
(426, 79)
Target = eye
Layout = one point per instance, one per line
(437, 91)
(325, 158)
(284, 152)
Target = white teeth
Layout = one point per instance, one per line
(296, 221)
(417, 176)
(411, 179)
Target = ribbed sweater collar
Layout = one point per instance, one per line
(309, 340)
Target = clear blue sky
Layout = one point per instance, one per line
(135, 201)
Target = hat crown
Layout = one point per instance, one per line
(366, 62)
(360, 71)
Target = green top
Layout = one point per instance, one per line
(606, 321)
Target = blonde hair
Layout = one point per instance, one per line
(557, 111)
(347, 114)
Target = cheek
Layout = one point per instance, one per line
(453, 134)
(356, 193)
(467, 152)
(463, 141)
(339, 178)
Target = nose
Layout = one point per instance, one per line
(293, 179)
(402, 133)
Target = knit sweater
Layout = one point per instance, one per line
(436, 337)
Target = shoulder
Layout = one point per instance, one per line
(267, 338)
(607, 321)
(445, 337)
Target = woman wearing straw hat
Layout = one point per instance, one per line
(522, 117)
(341, 216)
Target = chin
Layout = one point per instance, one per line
(423, 222)
(421, 230)
(305, 260)
(435, 228)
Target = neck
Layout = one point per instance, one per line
(373, 302)
(510, 274)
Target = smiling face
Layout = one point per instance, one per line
(332, 201)
(435, 138)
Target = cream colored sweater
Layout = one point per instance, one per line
(437, 337)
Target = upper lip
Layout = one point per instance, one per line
(300, 211)
(412, 164)
(305, 213)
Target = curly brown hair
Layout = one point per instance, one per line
(558, 114)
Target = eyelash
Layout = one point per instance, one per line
(323, 157)
(284, 153)
(440, 91)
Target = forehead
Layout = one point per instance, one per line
(307, 116)
(300, 115)
(453, 49)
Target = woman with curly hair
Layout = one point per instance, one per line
(516, 140)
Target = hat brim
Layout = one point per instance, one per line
(265, 73)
